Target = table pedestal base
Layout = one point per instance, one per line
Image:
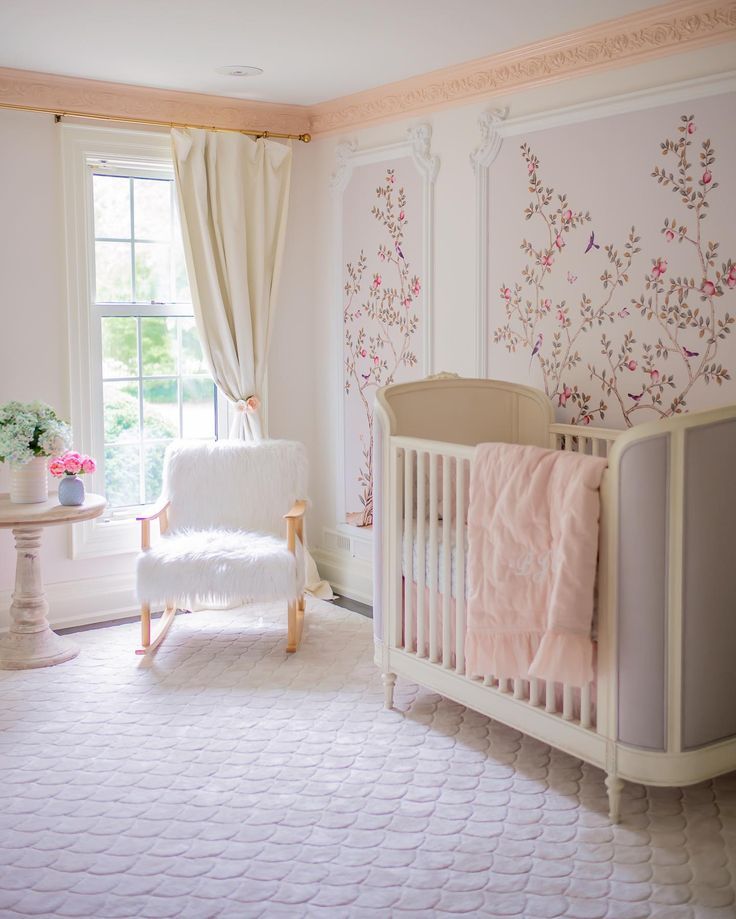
(35, 649)
(30, 641)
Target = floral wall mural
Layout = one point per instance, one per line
(612, 272)
(383, 307)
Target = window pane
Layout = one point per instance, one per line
(119, 346)
(154, 460)
(112, 273)
(158, 346)
(160, 409)
(112, 206)
(192, 359)
(198, 407)
(122, 475)
(152, 209)
(182, 293)
(121, 412)
(152, 272)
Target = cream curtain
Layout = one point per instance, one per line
(233, 199)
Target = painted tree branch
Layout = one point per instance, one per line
(373, 360)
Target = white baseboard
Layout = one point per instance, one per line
(349, 576)
(81, 602)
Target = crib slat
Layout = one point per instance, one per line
(533, 691)
(446, 562)
(518, 688)
(582, 444)
(599, 447)
(549, 697)
(460, 566)
(409, 574)
(421, 553)
(503, 684)
(433, 579)
(567, 702)
(568, 442)
(585, 710)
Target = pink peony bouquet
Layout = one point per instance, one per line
(71, 463)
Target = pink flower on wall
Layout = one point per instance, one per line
(685, 322)
(376, 351)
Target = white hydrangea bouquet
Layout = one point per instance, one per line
(30, 432)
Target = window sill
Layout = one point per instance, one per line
(105, 537)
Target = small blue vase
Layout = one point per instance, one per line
(71, 491)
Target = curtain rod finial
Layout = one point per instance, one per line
(305, 138)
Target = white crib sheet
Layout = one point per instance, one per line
(437, 583)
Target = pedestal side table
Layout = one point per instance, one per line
(30, 641)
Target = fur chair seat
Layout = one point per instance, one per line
(219, 566)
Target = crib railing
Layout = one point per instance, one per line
(578, 439)
(430, 519)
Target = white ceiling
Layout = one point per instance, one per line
(310, 50)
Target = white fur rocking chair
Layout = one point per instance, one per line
(221, 516)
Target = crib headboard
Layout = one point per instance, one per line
(467, 411)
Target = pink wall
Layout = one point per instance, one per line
(611, 262)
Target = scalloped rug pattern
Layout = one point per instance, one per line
(225, 778)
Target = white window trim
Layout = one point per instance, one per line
(81, 147)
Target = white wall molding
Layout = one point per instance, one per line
(349, 576)
(417, 145)
(481, 159)
(495, 126)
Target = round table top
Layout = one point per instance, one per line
(47, 513)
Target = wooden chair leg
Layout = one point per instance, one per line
(166, 620)
(296, 623)
(145, 625)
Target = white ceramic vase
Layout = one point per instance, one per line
(29, 482)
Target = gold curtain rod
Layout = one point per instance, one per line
(63, 113)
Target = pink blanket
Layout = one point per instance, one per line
(532, 550)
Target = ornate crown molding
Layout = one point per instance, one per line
(675, 27)
(672, 28)
(42, 90)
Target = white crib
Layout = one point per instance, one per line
(663, 707)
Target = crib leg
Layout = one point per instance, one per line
(614, 786)
(389, 681)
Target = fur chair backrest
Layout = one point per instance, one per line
(233, 484)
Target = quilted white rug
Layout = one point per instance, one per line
(226, 778)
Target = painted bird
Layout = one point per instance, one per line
(398, 251)
(690, 353)
(537, 348)
(635, 397)
(366, 376)
(592, 244)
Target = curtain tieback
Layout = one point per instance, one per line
(250, 405)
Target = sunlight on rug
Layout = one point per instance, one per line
(226, 778)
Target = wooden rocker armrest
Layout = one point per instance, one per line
(160, 507)
(295, 524)
(158, 512)
(298, 510)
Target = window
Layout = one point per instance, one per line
(155, 383)
(138, 377)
